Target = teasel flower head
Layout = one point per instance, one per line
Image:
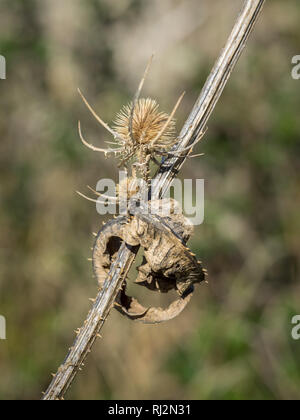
(147, 123)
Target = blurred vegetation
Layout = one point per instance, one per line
(234, 340)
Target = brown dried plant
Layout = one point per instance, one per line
(141, 133)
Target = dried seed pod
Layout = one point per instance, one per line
(147, 122)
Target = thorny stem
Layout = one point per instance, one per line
(195, 123)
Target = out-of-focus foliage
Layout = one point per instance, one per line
(234, 340)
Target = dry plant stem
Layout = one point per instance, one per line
(212, 90)
(194, 125)
(92, 326)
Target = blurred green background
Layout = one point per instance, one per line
(234, 340)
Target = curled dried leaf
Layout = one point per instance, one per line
(167, 263)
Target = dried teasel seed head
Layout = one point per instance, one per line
(147, 123)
